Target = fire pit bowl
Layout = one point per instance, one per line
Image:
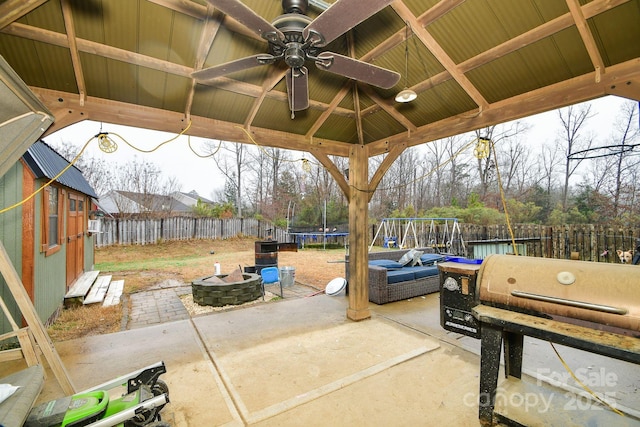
(208, 291)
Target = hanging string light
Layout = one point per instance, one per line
(105, 143)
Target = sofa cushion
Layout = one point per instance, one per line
(385, 263)
(422, 272)
(402, 275)
(431, 259)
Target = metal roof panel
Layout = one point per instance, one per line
(45, 162)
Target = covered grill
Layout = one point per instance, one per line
(590, 306)
(602, 296)
(606, 294)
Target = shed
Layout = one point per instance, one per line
(44, 227)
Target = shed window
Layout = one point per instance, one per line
(52, 220)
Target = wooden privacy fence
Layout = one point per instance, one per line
(151, 231)
(588, 241)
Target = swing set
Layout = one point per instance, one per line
(442, 234)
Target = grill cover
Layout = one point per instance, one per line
(608, 294)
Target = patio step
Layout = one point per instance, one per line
(82, 285)
(98, 290)
(92, 288)
(113, 294)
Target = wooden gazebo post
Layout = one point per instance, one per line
(359, 192)
(358, 225)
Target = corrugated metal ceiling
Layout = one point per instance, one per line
(465, 59)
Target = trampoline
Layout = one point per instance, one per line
(317, 236)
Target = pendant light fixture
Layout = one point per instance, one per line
(406, 95)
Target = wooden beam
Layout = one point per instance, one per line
(94, 48)
(587, 37)
(356, 106)
(388, 160)
(38, 330)
(629, 89)
(354, 91)
(438, 10)
(358, 239)
(434, 47)
(274, 75)
(12, 10)
(209, 31)
(569, 92)
(191, 8)
(386, 106)
(73, 49)
(336, 173)
(68, 111)
(329, 110)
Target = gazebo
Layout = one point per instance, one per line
(239, 71)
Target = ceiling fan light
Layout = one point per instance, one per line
(406, 95)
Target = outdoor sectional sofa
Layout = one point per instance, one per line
(389, 281)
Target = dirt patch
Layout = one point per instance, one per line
(144, 266)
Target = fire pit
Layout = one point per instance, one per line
(213, 291)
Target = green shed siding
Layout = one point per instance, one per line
(50, 271)
(11, 236)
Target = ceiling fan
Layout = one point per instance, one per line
(296, 38)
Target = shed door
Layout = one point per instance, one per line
(75, 232)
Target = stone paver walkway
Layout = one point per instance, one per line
(162, 303)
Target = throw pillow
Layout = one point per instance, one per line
(431, 259)
(409, 258)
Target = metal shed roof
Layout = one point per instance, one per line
(45, 162)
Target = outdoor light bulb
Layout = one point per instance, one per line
(105, 143)
(406, 95)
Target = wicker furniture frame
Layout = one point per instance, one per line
(381, 292)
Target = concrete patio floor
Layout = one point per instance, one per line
(301, 362)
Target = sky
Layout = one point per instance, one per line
(195, 173)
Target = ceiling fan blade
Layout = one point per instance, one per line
(340, 17)
(211, 73)
(358, 70)
(247, 17)
(298, 88)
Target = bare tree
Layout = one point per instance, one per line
(232, 169)
(627, 131)
(438, 152)
(575, 141)
(515, 166)
(550, 162)
(258, 181)
(459, 168)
